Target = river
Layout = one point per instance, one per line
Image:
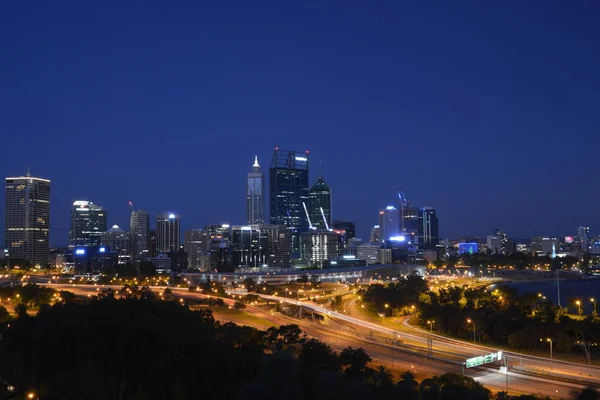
(581, 289)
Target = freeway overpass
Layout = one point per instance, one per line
(279, 276)
(526, 374)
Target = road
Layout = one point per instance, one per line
(381, 343)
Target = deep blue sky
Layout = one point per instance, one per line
(489, 112)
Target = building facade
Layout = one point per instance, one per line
(139, 228)
(428, 228)
(320, 247)
(167, 233)
(319, 205)
(583, 234)
(288, 193)
(117, 240)
(196, 245)
(27, 219)
(88, 223)
(255, 195)
(248, 246)
(389, 223)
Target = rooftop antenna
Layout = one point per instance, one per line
(131, 205)
(28, 171)
(321, 168)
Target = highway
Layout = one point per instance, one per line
(401, 351)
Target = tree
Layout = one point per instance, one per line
(238, 305)
(588, 394)
(290, 333)
(356, 361)
(249, 284)
(407, 387)
(318, 355)
(168, 294)
(4, 314)
(146, 269)
(382, 377)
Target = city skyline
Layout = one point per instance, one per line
(362, 231)
(383, 95)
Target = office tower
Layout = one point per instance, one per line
(167, 233)
(411, 221)
(88, 222)
(583, 234)
(196, 245)
(255, 195)
(278, 246)
(27, 219)
(428, 228)
(288, 193)
(248, 246)
(117, 240)
(319, 205)
(219, 237)
(389, 224)
(139, 228)
(494, 244)
(319, 247)
(368, 252)
(152, 243)
(375, 234)
(348, 227)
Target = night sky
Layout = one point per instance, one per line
(487, 111)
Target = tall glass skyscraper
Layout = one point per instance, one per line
(288, 189)
(27, 218)
(167, 232)
(320, 205)
(255, 195)
(139, 228)
(288, 193)
(389, 223)
(428, 228)
(88, 223)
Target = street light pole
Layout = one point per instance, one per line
(474, 328)
(550, 340)
(594, 303)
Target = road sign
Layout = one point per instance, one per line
(486, 359)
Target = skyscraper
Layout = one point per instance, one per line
(139, 228)
(196, 245)
(117, 240)
(375, 234)
(288, 193)
(248, 246)
(167, 233)
(583, 233)
(27, 218)
(428, 228)
(389, 223)
(88, 222)
(319, 205)
(255, 195)
(347, 226)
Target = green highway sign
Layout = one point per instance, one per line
(486, 359)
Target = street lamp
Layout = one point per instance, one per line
(430, 323)
(549, 340)
(578, 307)
(474, 328)
(594, 302)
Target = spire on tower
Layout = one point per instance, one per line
(256, 162)
(28, 170)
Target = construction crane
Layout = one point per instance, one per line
(325, 219)
(403, 202)
(310, 225)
